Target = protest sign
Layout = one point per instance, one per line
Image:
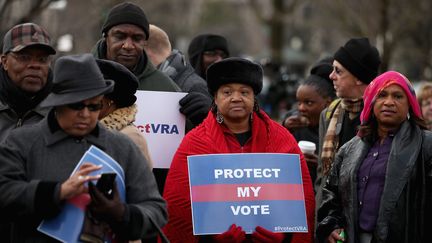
(161, 123)
(248, 190)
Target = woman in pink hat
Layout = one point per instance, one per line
(379, 188)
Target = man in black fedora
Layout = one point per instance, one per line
(37, 175)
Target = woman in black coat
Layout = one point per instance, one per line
(379, 188)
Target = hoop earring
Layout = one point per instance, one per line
(219, 117)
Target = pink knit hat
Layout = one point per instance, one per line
(383, 81)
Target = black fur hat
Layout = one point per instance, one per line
(235, 70)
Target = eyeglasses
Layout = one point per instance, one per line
(214, 53)
(26, 58)
(80, 106)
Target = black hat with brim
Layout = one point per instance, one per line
(76, 78)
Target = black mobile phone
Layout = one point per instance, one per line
(105, 184)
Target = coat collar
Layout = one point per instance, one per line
(52, 137)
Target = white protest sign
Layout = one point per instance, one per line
(161, 123)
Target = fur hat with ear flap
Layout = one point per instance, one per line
(235, 70)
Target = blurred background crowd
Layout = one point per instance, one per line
(285, 36)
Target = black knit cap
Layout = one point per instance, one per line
(235, 70)
(126, 13)
(360, 58)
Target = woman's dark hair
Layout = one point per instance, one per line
(322, 86)
(319, 78)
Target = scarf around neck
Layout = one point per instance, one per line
(120, 118)
(331, 139)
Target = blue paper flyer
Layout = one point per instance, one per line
(66, 227)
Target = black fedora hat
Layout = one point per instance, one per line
(126, 83)
(76, 78)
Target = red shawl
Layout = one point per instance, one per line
(210, 138)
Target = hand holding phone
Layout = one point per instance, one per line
(106, 204)
(105, 184)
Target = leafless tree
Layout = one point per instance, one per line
(275, 21)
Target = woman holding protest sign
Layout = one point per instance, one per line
(234, 125)
(37, 182)
(379, 187)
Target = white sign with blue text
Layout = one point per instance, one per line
(161, 123)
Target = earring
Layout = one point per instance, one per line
(219, 117)
(256, 106)
(251, 117)
(408, 116)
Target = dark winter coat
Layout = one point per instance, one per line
(178, 68)
(36, 160)
(26, 110)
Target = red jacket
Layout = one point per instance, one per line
(213, 138)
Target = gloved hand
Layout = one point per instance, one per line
(195, 106)
(104, 209)
(265, 236)
(233, 235)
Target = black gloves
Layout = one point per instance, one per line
(195, 106)
(111, 211)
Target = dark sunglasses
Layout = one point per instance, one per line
(79, 106)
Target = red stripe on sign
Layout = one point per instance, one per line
(246, 192)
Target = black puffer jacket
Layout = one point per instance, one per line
(178, 68)
(406, 205)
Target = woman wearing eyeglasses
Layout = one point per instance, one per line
(37, 162)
